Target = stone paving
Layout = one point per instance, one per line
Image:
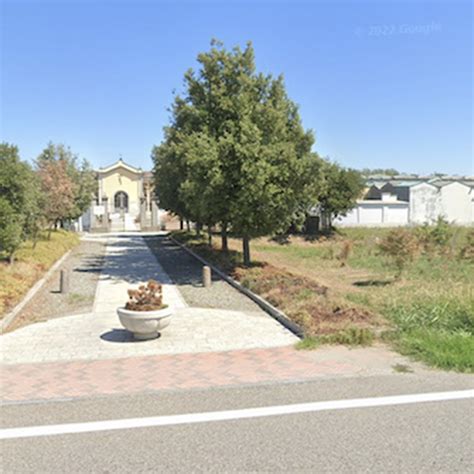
(77, 379)
(99, 335)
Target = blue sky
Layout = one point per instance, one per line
(382, 84)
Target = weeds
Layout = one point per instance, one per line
(352, 336)
(428, 314)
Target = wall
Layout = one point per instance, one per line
(425, 205)
(456, 203)
(376, 214)
(121, 179)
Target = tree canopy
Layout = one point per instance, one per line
(59, 188)
(236, 153)
(343, 187)
(79, 172)
(20, 205)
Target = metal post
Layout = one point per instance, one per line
(64, 281)
(206, 276)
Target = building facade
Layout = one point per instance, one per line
(125, 200)
(405, 200)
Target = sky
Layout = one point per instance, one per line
(383, 84)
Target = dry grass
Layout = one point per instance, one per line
(30, 266)
(429, 311)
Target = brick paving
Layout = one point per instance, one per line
(76, 379)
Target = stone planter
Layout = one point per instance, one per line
(144, 324)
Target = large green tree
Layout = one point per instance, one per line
(242, 158)
(21, 205)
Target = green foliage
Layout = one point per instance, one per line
(308, 343)
(80, 173)
(444, 349)
(435, 238)
(23, 202)
(351, 336)
(342, 188)
(446, 313)
(467, 251)
(401, 246)
(235, 153)
(11, 227)
(377, 171)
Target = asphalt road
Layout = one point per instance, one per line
(420, 437)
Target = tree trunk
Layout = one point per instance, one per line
(198, 229)
(246, 249)
(181, 224)
(209, 235)
(225, 244)
(11, 258)
(35, 238)
(188, 225)
(50, 230)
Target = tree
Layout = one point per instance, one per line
(377, 171)
(237, 140)
(19, 187)
(80, 173)
(59, 190)
(342, 188)
(11, 229)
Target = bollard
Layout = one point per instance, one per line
(64, 281)
(206, 276)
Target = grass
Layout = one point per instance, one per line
(429, 311)
(351, 336)
(76, 298)
(30, 265)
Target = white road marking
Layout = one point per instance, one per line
(168, 420)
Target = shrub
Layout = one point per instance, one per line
(467, 251)
(148, 297)
(11, 229)
(435, 238)
(401, 246)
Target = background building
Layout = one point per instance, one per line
(125, 201)
(403, 200)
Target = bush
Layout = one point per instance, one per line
(11, 229)
(401, 246)
(467, 251)
(435, 239)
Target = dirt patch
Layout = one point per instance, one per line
(305, 301)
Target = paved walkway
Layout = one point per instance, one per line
(99, 335)
(60, 380)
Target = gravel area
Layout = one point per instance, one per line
(84, 265)
(186, 273)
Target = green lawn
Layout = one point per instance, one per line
(428, 313)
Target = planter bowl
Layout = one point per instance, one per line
(144, 324)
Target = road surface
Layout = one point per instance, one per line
(420, 436)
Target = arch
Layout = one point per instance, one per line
(121, 201)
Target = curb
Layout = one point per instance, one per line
(10, 317)
(275, 313)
